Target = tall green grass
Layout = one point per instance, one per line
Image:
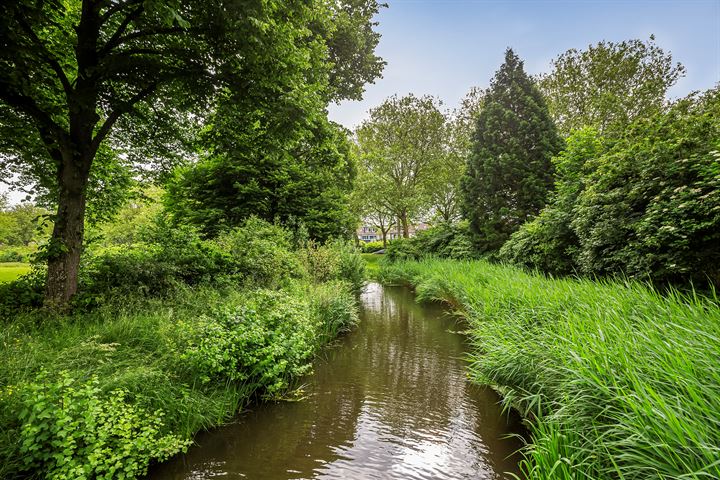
(617, 380)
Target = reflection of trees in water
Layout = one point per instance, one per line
(392, 400)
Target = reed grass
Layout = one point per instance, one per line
(617, 380)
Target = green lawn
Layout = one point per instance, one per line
(10, 271)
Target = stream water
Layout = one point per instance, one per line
(391, 401)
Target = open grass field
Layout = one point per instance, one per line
(10, 271)
(616, 380)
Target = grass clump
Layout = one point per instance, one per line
(616, 380)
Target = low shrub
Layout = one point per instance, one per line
(337, 260)
(72, 430)
(371, 247)
(444, 241)
(23, 294)
(260, 252)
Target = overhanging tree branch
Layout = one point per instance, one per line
(119, 7)
(115, 38)
(30, 107)
(45, 53)
(120, 110)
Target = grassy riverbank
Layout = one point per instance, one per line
(109, 391)
(169, 335)
(617, 380)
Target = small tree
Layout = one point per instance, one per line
(509, 172)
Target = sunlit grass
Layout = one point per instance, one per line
(617, 380)
(372, 264)
(11, 271)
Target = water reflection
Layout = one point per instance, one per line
(391, 401)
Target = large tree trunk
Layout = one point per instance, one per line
(67, 237)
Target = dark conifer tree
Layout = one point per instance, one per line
(509, 173)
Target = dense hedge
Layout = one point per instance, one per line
(443, 240)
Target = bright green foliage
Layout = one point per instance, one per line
(23, 224)
(548, 242)
(89, 90)
(444, 241)
(268, 341)
(336, 260)
(402, 148)
(616, 380)
(646, 204)
(258, 251)
(290, 168)
(371, 247)
(651, 206)
(609, 85)
(509, 172)
(72, 431)
(131, 379)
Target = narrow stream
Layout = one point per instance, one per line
(391, 401)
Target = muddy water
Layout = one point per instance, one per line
(390, 402)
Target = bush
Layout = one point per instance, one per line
(14, 255)
(22, 294)
(260, 252)
(371, 247)
(444, 241)
(71, 430)
(265, 342)
(646, 205)
(337, 260)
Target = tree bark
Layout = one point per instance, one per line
(67, 238)
(405, 226)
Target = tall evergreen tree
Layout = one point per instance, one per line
(509, 172)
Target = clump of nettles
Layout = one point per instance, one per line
(72, 430)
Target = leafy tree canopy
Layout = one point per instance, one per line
(609, 85)
(402, 148)
(89, 88)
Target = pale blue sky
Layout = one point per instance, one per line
(444, 47)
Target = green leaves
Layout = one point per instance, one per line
(402, 148)
(645, 204)
(609, 85)
(72, 430)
